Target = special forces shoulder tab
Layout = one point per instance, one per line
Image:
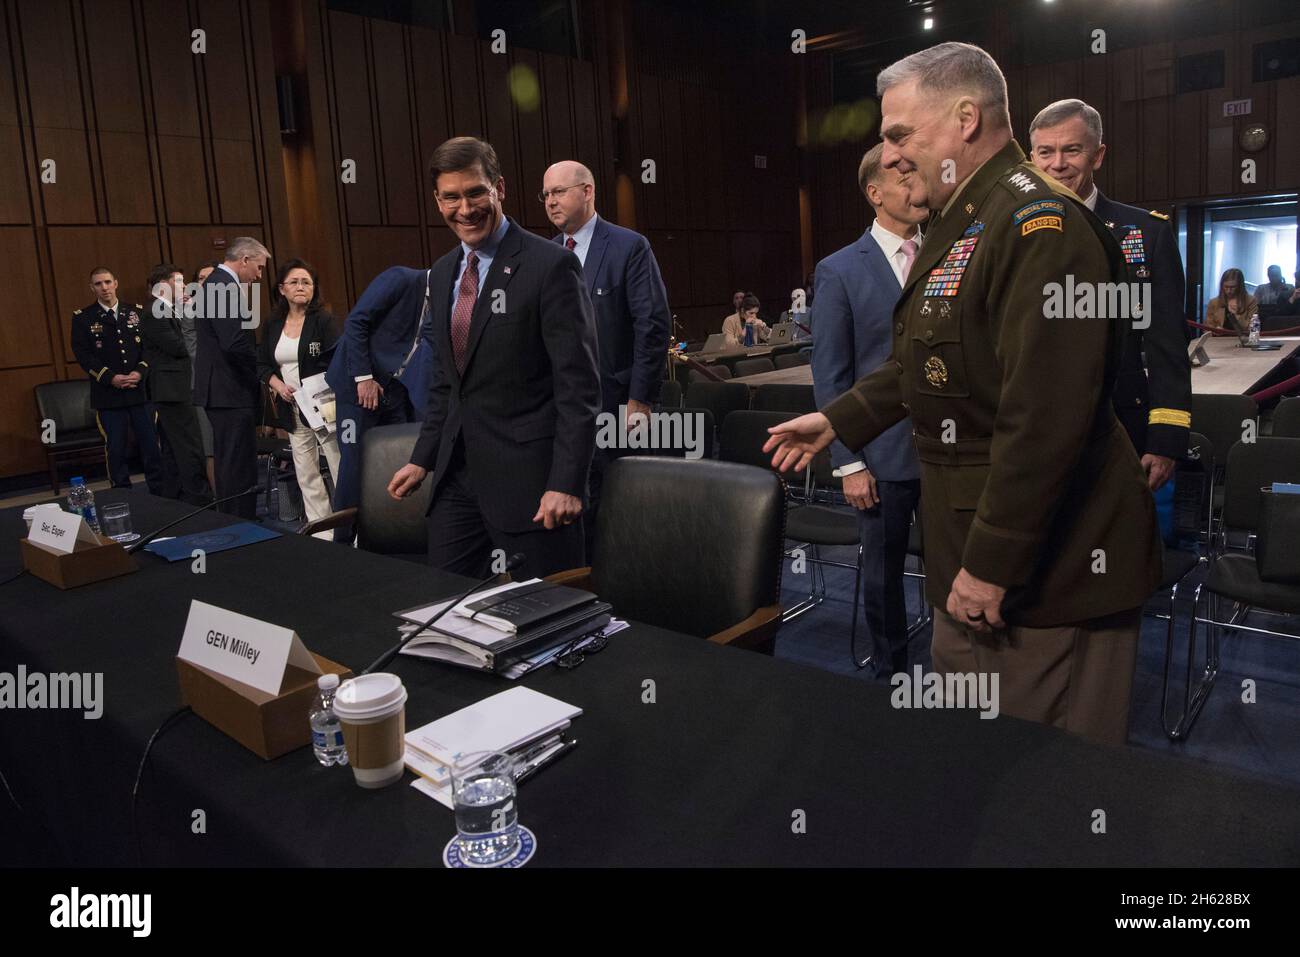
(1157, 215)
(1040, 214)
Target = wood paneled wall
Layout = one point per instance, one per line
(157, 152)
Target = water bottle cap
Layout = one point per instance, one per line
(327, 682)
(78, 480)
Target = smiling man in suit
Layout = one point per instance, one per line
(511, 421)
(855, 291)
(633, 321)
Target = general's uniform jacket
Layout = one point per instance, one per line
(1153, 399)
(108, 344)
(1027, 479)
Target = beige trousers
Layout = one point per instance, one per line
(1075, 677)
(306, 465)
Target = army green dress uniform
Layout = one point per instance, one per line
(1027, 479)
(1153, 392)
(107, 342)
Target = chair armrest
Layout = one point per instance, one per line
(757, 632)
(573, 577)
(333, 520)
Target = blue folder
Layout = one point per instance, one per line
(218, 540)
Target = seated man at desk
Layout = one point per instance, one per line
(746, 325)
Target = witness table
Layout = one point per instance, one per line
(689, 754)
(1233, 370)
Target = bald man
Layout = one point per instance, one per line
(633, 321)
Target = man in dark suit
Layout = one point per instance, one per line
(225, 369)
(1153, 399)
(106, 342)
(170, 388)
(633, 321)
(856, 289)
(511, 421)
(378, 373)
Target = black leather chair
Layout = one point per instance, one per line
(792, 359)
(754, 366)
(670, 394)
(384, 525)
(1219, 418)
(76, 435)
(721, 370)
(720, 398)
(704, 427)
(784, 398)
(726, 586)
(1286, 418)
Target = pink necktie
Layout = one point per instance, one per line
(570, 244)
(463, 310)
(909, 257)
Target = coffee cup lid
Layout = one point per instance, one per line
(369, 695)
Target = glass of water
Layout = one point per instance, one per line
(487, 815)
(115, 521)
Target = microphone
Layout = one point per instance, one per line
(134, 546)
(513, 562)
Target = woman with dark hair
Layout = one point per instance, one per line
(297, 343)
(746, 321)
(1233, 306)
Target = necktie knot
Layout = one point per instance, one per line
(570, 244)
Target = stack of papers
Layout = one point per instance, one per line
(519, 720)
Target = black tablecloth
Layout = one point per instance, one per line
(739, 759)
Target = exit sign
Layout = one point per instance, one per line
(1236, 107)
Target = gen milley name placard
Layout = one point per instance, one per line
(243, 648)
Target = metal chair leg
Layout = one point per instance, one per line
(1193, 701)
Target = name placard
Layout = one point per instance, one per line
(60, 530)
(243, 648)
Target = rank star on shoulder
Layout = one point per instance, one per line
(1022, 182)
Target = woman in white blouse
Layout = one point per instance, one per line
(296, 344)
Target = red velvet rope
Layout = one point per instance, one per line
(1273, 391)
(1219, 331)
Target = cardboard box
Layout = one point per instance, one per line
(88, 563)
(268, 725)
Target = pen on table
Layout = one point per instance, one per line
(532, 769)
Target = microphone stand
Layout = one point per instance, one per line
(513, 562)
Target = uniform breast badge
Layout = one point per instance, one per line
(936, 373)
(945, 279)
(925, 308)
(96, 328)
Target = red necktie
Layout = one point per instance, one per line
(464, 309)
(570, 244)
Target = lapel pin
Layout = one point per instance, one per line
(506, 270)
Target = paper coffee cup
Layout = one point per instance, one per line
(372, 715)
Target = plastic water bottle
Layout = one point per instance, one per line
(326, 735)
(1253, 339)
(81, 501)
(749, 334)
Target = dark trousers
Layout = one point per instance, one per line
(600, 462)
(884, 531)
(185, 470)
(394, 409)
(116, 425)
(462, 541)
(234, 452)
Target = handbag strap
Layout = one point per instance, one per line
(419, 326)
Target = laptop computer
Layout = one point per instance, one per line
(717, 342)
(782, 333)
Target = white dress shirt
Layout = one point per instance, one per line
(1091, 201)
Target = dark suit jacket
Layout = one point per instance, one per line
(1153, 400)
(856, 291)
(106, 347)
(633, 321)
(378, 334)
(315, 349)
(225, 362)
(526, 404)
(171, 372)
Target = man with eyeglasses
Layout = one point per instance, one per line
(633, 321)
(511, 421)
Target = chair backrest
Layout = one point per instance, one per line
(670, 394)
(67, 404)
(385, 525)
(1252, 466)
(792, 359)
(722, 371)
(690, 431)
(743, 434)
(1286, 418)
(733, 518)
(753, 366)
(1219, 418)
(785, 398)
(720, 398)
